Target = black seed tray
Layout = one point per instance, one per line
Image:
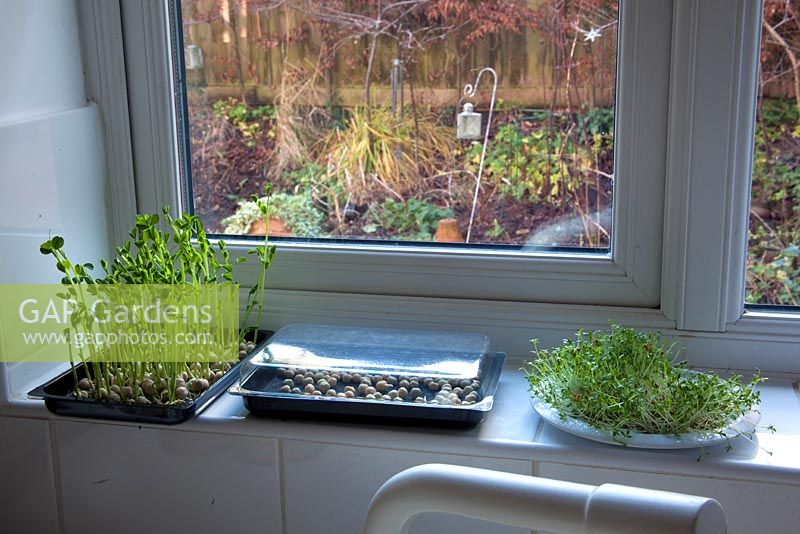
(58, 398)
(270, 402)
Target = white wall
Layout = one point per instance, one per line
(52, 163)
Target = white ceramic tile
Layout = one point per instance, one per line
(124, 478)
(27, 490)
(328, 487)
(749, 507)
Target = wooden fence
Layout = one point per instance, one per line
(250, 42)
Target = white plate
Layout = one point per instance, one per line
(744, 425)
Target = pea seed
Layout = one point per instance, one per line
(317, 393)
(362, 389)
(333, 381)
(113, 397)
(84, 383)
(149, 388)
(308, 380)
(324, 387)
(413, 384)
(330, 393)
(298, 379)
(420, 400)
(288, 382)
(285, 389)
(402, 393)
(378, 395)
(468, 390)
(371, 390)
(349, 394)
(433, 386)
(350, 388)
(404, 383)
(142, 400)
(356, 377)
(393, 394)
(397, 399)
(415, 393)
(181, 393)
(347, 378)
(309, 388)
(370, 396)
(318, 376)
(459, 392)
(83, 394)
(296, 391)
(381, 385)
(465, 383)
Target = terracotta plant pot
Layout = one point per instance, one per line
(276, 228)
(448, 232)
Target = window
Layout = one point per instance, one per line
(624, 270)
(774, 250)
(685, 95)
(351, 112)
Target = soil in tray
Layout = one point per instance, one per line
(395, 388)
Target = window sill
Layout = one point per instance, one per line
(512, 430)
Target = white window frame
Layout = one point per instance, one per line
(693, 188)
(630, 276)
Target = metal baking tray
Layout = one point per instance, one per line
(443, 356)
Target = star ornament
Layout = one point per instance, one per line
(591, 35)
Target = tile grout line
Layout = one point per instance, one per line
(281, 483)
(56, 475)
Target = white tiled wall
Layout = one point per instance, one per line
(106, 477)
(337, 483)
(138, 479)
(27, 488)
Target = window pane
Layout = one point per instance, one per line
(774, 252)
(354, 112)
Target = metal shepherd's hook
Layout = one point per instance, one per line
(469, 92)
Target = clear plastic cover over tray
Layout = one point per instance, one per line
(356, 349)
(442, 378)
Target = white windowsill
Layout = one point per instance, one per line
(513, 430)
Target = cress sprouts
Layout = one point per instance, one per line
(625, 381)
